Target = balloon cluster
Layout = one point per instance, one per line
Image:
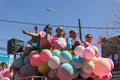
(64, 64)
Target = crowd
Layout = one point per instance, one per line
(5, 72)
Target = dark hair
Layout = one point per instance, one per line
(88, 35)
(47, 26)
(4, 63)
(71, 31)
(60, 28)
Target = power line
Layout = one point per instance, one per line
(29, 23)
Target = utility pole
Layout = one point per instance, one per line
(80, 29)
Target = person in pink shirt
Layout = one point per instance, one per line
(59, 41)
(44, 36)
(89, 39)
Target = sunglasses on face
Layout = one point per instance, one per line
(89, 37)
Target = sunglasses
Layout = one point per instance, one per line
(89, 37)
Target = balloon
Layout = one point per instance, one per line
(77, 62)
(65, 72)
(18, 63)
(33, 52)
(111, 63)
(87, 44)
(107, 77)
(88, 53)
(94, 59)
(54, 62)
(43, 68)
(56, 52)
(84, 75)
(17, 76)
(35, 60)
(26, 60)
(79, 51)
(92, 75)
(45, 55)
(52, 73)
(65, 57)
(76, 73)
(102, 67)
(29, 70)
(88, 66)
(95, 49)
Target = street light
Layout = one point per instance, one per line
(56, 14)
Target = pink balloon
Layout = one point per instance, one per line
(92, 75)
(88, 53)
(87, 44)
(35, 60)
(33, 52)
(79, 51)
(102, 67)
(65, 72)
(107, 77)
(95, 49)
(45, 55)
(111, 63)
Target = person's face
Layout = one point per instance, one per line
(59, 31)
(89, 39)
(63, 35)
(73, 35)
(1, 67)
(49, 30)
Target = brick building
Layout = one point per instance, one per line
(110, 48)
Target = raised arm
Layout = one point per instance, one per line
(30, 34)
(98, 42)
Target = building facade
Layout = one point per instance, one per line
(110, 48)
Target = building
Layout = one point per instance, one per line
(110, 48)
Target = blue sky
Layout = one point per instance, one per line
(92, 13)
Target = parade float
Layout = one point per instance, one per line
(62, 63)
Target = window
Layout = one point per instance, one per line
(114, 57)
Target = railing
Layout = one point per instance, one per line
(33, 78)
(41, 78)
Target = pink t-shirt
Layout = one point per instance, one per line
(58, 43)
(45, 42)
